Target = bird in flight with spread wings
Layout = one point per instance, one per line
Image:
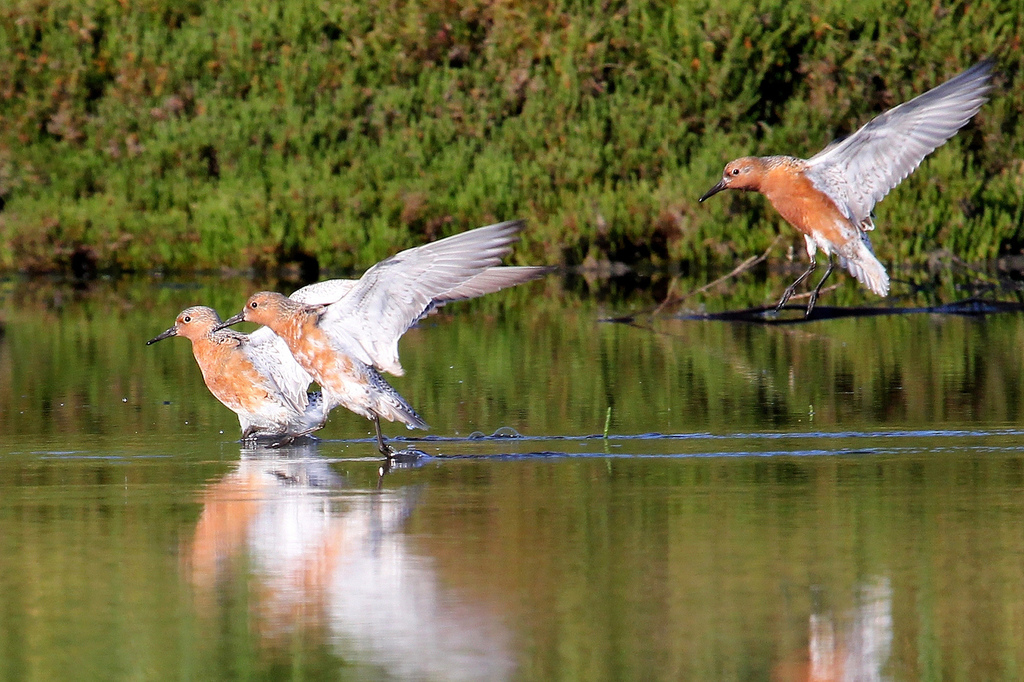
(829, 197)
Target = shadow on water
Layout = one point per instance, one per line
(778, 563)
(696, 445)
(971, 307)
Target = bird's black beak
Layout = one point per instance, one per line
(234, 319)
(173, 331)
(714, 190)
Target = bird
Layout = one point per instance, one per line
(348, 336)
(254, 375)
(829, 197)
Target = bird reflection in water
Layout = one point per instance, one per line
(321, 556)
(853, 647)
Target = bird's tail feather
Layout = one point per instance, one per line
(390, 404)
(860, 260)
(315, 415)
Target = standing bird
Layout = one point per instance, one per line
(346, 342)
(829, 197)
(254, 375)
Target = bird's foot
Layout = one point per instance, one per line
(810, 304)
(407, 458)
(786, 295)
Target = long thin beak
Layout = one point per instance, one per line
(714, 190)
(173, 331)
(234, 319)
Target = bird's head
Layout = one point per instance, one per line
(263, 307)
(743, 173)
(192, 323)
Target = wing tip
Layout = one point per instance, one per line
(975, 81)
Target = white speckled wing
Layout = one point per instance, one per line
(271, 357)
(859, 171)
(324, 293)
(395, 293)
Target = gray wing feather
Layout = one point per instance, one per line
(487, 282)
(859, 171)
(395, 293)
(272, 358)
(324, 293)
(494, 279)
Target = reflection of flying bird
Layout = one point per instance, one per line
(850, 647)
(829, 197)
(350, 333)
(254, 375)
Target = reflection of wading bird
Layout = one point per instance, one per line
(828, 198)
(344, 343)
(334, 564)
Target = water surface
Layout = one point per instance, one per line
(836, 500)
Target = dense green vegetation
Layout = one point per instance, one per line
(187, 134)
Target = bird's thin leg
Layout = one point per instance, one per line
(384, 448)
(817, 289)
(250, 433)
(792, 287)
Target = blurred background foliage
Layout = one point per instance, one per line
(188, 135)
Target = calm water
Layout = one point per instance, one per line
(836, 500)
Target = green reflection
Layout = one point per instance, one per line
(700, 568)
(136, 545)
(535, 358)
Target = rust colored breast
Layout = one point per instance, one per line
(803, 206)
(230, 375)
(316, 354)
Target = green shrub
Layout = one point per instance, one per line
(197, 135)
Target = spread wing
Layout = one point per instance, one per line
(395, 293)
(860, 170)
(324, 293)
(271, 357)
(487, 282)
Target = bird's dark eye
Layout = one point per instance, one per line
(253, 305)
(735, 171)
(186, 319)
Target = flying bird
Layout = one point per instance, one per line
(829, 197)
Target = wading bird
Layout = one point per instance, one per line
(345, 344)
(254, 375)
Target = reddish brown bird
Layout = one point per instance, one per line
(829, 197)
(345, 342)
(253, 375)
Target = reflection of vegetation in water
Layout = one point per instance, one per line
(710, 568)
(704, 568)
(205, 134)
(699, 568)
(534, 358)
